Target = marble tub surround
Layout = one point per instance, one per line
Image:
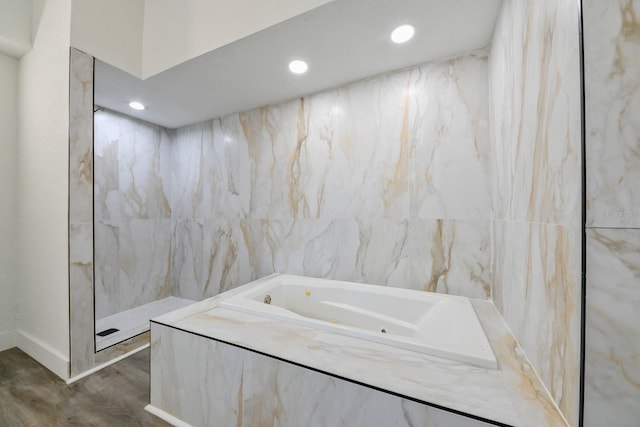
(612, 91)
(512, 395)
(132, 213)
(612, 371)
(534, 75)
(381, 182)
(247, 388)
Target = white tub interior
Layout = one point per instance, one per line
(435, 324)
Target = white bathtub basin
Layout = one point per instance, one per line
(435, 324)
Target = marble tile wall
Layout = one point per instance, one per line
(534, 74)
(612, 95)
(383, 182)
(612, 371)
(132, 213)
(612, 83)
(81, 231)
(80, 212)
(213, 383)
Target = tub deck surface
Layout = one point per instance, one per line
(511, 395)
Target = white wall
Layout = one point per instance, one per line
(179, 30)
(15, 27)
(8, 198)
(43, 153)
(144, 37)
(110, 31)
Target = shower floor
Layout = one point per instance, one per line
(135, 321)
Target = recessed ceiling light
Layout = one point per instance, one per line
(298, 67)
(402, 34)
(137, 105)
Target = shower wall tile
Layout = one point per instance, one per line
(106, 185)
(143, 178)
(535, 89)
(107, 269)
(612, 368)
(132, 164)
(612, 91)
(132, 213)
(210, 167)
(534, 78)
(145, 260)
(332, 185)
(133, 261)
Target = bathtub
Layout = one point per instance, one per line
(435, 324)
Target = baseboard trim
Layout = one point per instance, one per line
(166, 416)
(104, 365)
(44, 354)
(7, 340)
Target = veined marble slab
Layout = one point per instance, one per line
(511, 395)
(612, 97)
(384, 182)
(612, 355)
(238, 387)
(534, 74)
(132, 213)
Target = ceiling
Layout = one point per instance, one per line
(343, 41)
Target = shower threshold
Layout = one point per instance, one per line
(135, 321)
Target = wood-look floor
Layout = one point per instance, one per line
(30, 395)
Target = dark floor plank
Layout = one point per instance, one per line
(30, 395)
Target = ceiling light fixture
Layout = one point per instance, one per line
(298, 66)
(402, 34)
(137, 105)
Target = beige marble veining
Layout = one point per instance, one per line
(534, 74)
(612, 356)
(612, 97)
(80, 132)
(239, 387)
(80, 228)
(132, 213)
(612, 107)
(512, 395)
(381, 182)
(82, 353)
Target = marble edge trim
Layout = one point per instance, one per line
(339, 377)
